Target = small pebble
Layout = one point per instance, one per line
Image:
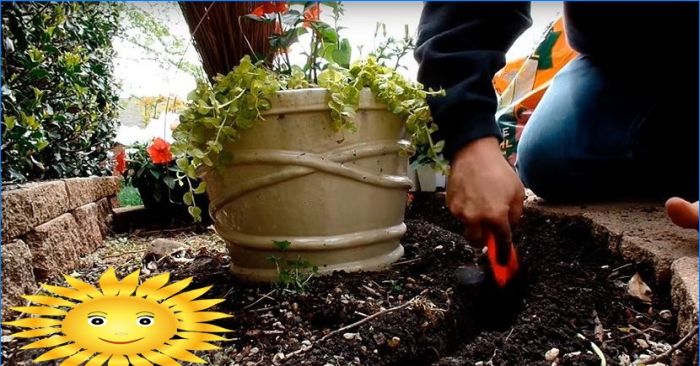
(393, 342)
(254, 350)
(551, 355)
(439, 247)
(351, 336)
(642, 343)
(666, 315)
(480, 363)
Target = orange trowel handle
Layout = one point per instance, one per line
(503, 273)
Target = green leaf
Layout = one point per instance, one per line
(197, 153)
(10, 122)
(169, 181)
(188, 199)
(41, 144)
(282, 245)
(182, 163)
(38, 73)
(201, 188)
(195, 212)
(342, 53)
(36, 55)
(327, 33)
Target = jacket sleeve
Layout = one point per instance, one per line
(460, 47)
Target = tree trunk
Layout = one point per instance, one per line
(219, 39)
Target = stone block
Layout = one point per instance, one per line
(17, 276)
(29, 205)
(104, 213)
(88, 219)
(82, 191)
(55, 246)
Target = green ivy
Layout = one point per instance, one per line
(59, 97)
(217, 114)
(403, 98)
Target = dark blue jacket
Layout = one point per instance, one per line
(462, 45)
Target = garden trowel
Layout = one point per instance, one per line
(502, 265)
(496, 288)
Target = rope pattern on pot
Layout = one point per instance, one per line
(305, 163)
(316, 243)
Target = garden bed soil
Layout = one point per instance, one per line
(569, 285)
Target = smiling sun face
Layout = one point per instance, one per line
(118, 325)
(122, 323)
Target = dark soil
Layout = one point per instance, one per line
(568, 274)
(568, 278)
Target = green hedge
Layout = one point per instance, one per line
(59, 97)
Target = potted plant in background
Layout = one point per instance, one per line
(151, 169)
(313, 156)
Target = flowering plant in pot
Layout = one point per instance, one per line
(152, 170)
(314, 155)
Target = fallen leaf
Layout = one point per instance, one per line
(638, 288)
(598, 331)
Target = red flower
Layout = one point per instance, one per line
(120, 160)
(159, 151)
(312, 14)
(268, 7)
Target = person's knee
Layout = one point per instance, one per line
(539, 168)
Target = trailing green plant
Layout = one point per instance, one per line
(59, 97)
(391, 50)
(293, 276)
(218, 113)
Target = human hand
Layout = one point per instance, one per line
(485, 193)
(682, 212)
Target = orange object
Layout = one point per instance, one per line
(502, 273)
(159, 151)
(271, 7)
(311, 14)
(120, 166)
(522, 83)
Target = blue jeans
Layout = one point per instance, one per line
(600, 133)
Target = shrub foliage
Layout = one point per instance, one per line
(59, 97)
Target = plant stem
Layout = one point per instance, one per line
(285, 50)
(679, 344)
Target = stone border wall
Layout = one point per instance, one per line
(48, 226)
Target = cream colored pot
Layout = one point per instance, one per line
(338, 197)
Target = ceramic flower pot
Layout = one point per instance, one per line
(337, 196)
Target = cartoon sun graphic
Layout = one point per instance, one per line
(122, 323)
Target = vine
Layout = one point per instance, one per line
(217, 114)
